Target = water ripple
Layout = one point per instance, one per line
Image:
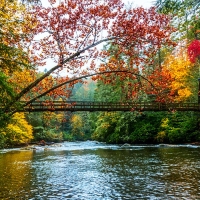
(93, 171)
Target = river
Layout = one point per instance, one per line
(95, 171)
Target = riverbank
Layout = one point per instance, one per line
(33, 145)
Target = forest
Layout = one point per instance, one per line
(98, 50)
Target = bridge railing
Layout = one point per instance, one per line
(109, 106)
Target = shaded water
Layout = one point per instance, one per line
(89, 170)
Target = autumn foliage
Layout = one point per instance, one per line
(18, 131)
(71, 34)
(179, 67)
(194, 50)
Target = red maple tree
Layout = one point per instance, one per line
(70, 32)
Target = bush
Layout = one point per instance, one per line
(50, 135)
(161, 137)
(68, 137)
(145, 134)
(176, 135)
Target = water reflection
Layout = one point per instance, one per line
(15, 174)
(90, 170)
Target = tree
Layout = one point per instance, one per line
(181, 71)
(194, 51)
(72, 31)
(77, 126)
(13, 36)
(84, 91)
(185, 15)
(18, 131)
(13, 57)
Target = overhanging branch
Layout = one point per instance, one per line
(85, 76)
(29, 87)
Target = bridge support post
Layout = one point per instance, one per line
(199, 91)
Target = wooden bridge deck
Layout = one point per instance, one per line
(72, 106)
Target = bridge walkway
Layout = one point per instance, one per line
(41, 106)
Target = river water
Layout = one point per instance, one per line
(94, 171)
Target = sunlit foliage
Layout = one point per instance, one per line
(18, 131)
(77, 124)
(180, 69)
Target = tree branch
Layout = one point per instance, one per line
(85, 76)
(29, 87)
